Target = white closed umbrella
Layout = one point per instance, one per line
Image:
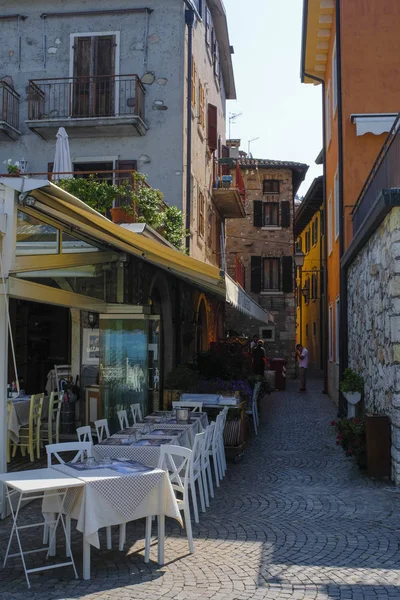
(62, 157)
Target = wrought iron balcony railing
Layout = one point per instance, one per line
(9, 105)
(86, 97)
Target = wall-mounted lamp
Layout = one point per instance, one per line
(23, 165)
(93, 319)
(299, 257)
(306, 294)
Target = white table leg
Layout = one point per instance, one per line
(52, 538)
(86, 559)
(161, 537)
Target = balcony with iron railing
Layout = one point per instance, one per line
(381, 189)
(228, 191)
(9, 112)
(110, 105)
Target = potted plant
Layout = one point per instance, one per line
(352, 387)
(179, 380)
(351, 436)
(13, 169)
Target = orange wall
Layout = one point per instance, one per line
(370, 84)
(370, 48)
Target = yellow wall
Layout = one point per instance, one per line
(308, 316)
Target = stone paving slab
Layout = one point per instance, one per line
(294, 519)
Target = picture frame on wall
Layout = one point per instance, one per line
(90, 347)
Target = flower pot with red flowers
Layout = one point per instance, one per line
(350, 435)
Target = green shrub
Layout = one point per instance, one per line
(351, 382)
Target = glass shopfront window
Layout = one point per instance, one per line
(129, 353)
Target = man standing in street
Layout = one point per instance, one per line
(302, 357)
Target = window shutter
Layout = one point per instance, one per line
(212, 133)
(322, 222)
(285, 213)
(258, 213)
(256, 274)
(287, 274)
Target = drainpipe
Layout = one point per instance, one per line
(343, 329)
(324, 255)
(189, 20)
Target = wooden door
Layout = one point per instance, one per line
(94, 81)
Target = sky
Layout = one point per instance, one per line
(276, 107)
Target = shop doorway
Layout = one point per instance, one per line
(202, 329)
(42, 339)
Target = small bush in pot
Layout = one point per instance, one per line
(352, 382)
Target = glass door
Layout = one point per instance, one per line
(129, 363)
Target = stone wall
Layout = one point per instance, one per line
(374, 324)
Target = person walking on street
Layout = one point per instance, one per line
(302, 357)
(259, 359)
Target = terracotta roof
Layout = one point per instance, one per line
(299, 170)
(268, 163)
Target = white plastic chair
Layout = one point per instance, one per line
(194, 406)
(254, 407)
(85, 434)
(176, 461)
(83, 450)
(206, 464)
(136, 413)
(102, 430)
(123, 419)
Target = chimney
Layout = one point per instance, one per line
(233, 146)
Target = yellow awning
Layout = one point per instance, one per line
(60, 205)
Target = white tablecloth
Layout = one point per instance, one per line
(111, 498)
(19, 416)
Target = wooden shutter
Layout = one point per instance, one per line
(212, 133)
(287, 274)
(256, 274)
(226, 170)
(257, 213)
(124, 165)
(285, 213)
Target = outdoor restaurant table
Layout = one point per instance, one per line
(146, 449)
(19, 416)
(213, 400)
(112, 497)
(31, 485)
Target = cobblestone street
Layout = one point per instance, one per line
(294, 519)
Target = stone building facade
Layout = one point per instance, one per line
(374, 324)
(118, 79)
(260, 248)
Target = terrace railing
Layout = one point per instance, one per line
(86, 97)
(9, 105)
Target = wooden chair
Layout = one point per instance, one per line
(85, 434)
(123, 419)
(53, 419)
(62, 373)
(83, 450)
(8, 450)
(177, 461)
(102, 429)
(136, 413)
(29, 437)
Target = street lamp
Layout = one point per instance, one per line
(299, 257)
